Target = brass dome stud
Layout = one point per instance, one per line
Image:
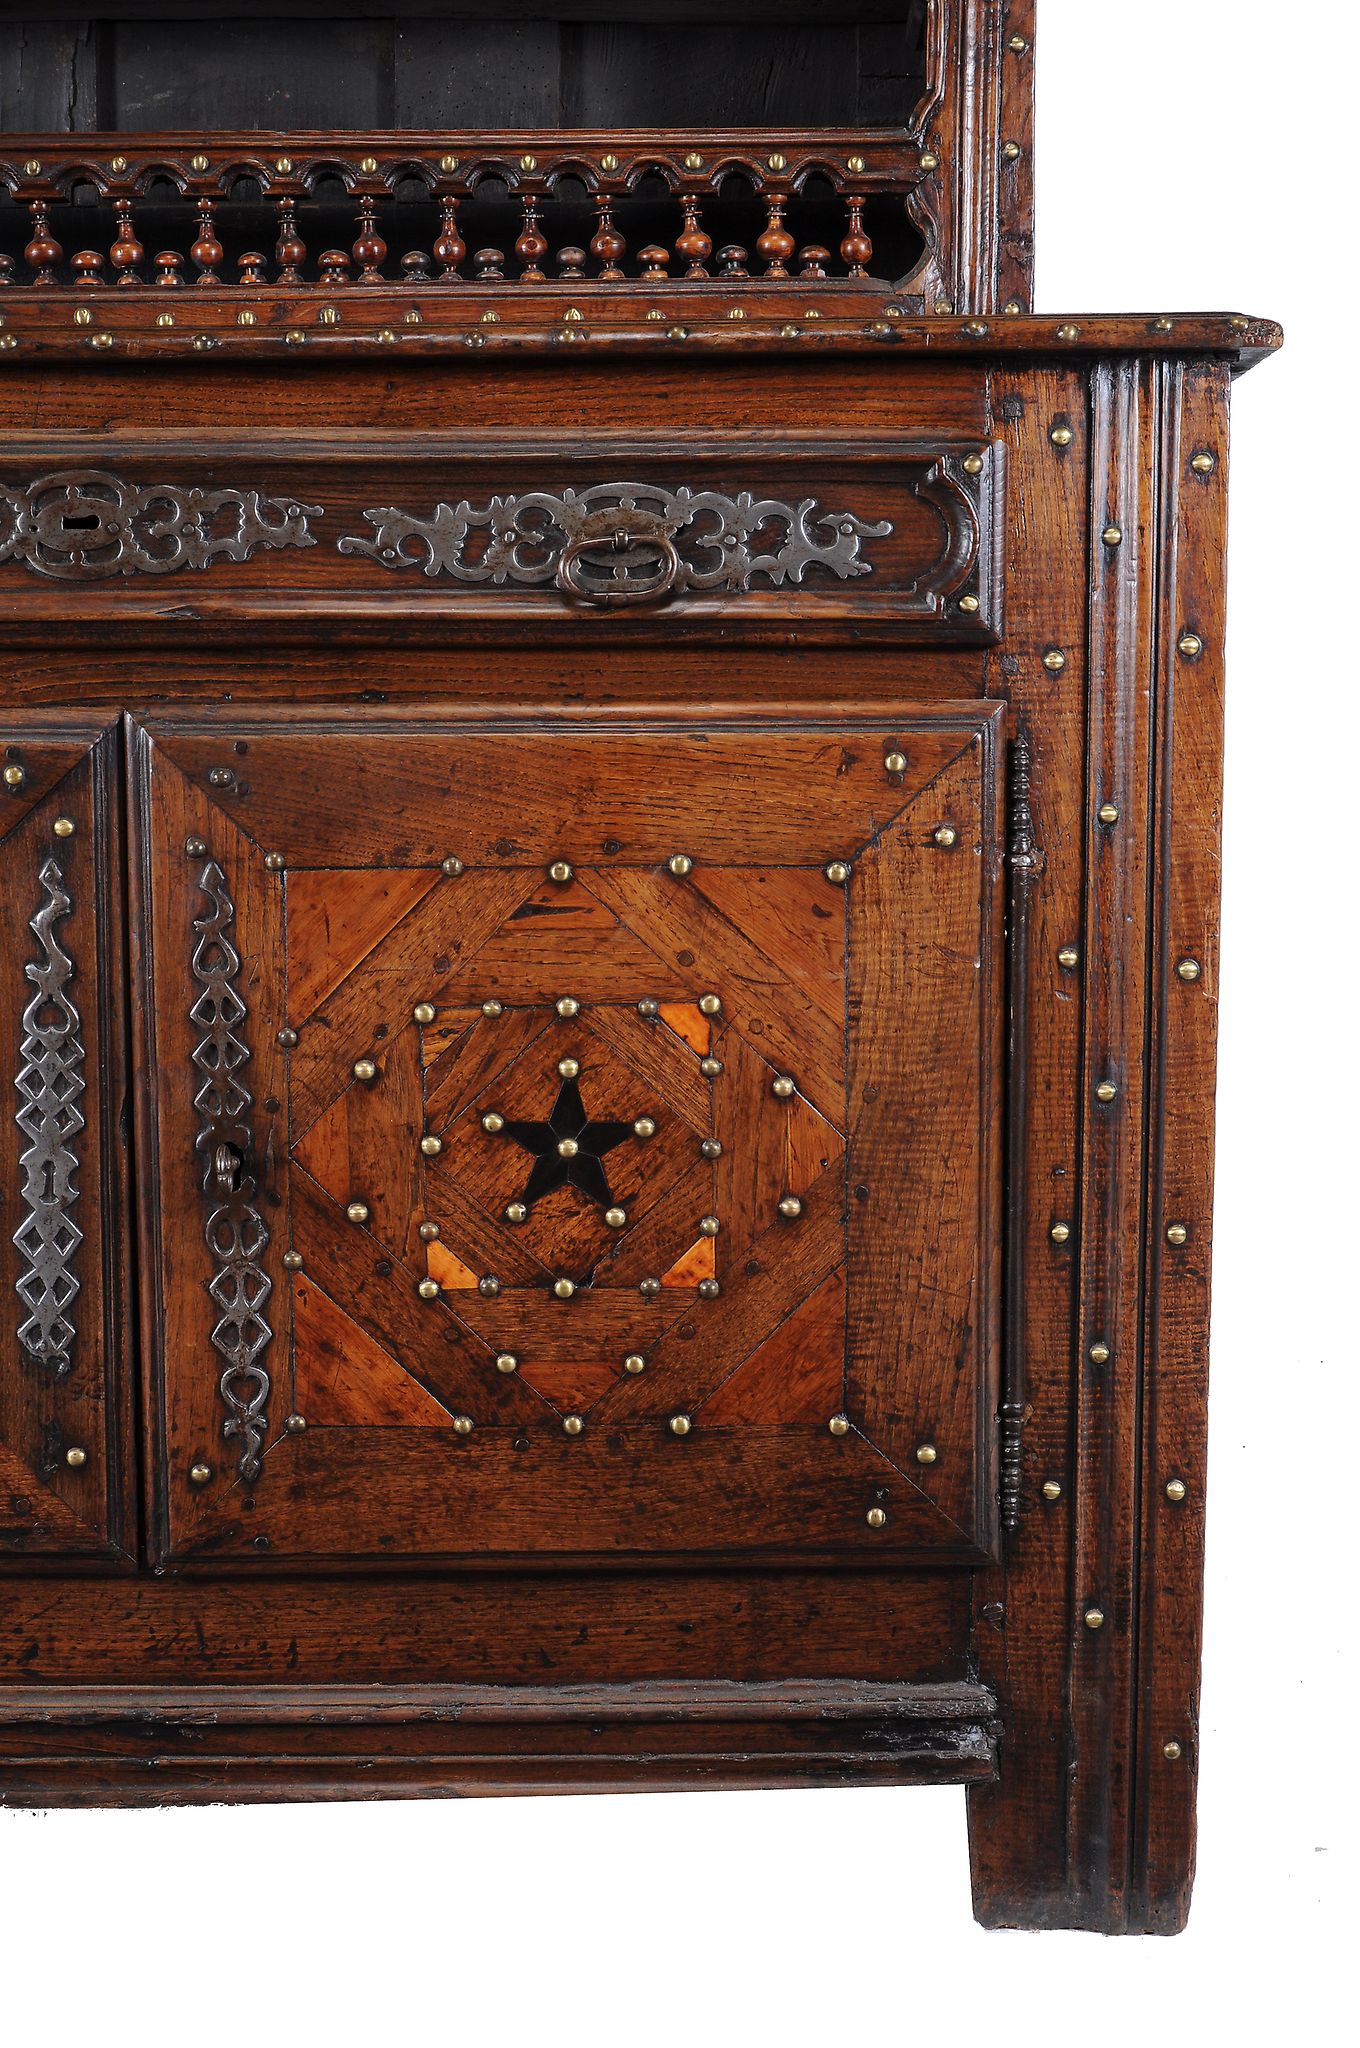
(680, 1425)
(569, 1069)
(649, 1007)
(14, 775)
(617, 1219)
(516, 1212)
(489, 1286)
(76, 1457)
(783, 1085)
(1055, 661)
(1191, 646)
(839, 1425)
(428, 1232)
(431, 1146)
(1106, 1092)
(877, 1518)
(709, 1290)
(680, 865)
(424, 1013)
(644, 1127)
(1061, 437)
(973, 465)
(1051, 1490)
(274, 863)
(1108, 814)
(572, 1425)
(709, 1226)
(1177, 1234)
(561, 871)
(507, 1361)
(428, 1290)
(790, 1207)
(1069, 957)
(357, 1212)
(63, 828)
(296, 1425)
(649, 1289)
(567, 1006)
(1099, 1353)
(945, 835)
(710, 1148)
(1188, 970)
(1204, 464)
(462, 1425)
(567, 1148)
(287, 1038)
(710, 1068)
(199, 1475)
(837, 871)
(451, 865)
(1113, 536)
(365, 1070)
(1059, 1233)
(926, 1454)
(1175, 1491)
(710, 1005)
(292, 1262)
(491, 1008)
(1172, 1752)
(1094, 1618)
(564, 1288)
(634, 1363)
(896, 764)
(493, 1122)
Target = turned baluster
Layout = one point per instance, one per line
(334, 269)
(290, 251)
(531, 245)
(450, 249)
(814, 260)
(692, 245)
(415, 267)
(44, 252)
(169, 267)
(370, 250)
(776, 245)
(207, 251)
(656, 263)
(571, 264)
(127, 252)
(490, 266)
(607, 245)
(86, 268)
(856, 248)
(733, 261)
(251, 266)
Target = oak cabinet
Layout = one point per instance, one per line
(609, 885)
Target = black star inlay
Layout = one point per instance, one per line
(567, 1120)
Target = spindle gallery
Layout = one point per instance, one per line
(609, 884)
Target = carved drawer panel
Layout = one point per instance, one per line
(733, 536)
(61, 1299)
(578, 1142)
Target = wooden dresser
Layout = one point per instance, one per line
(608, 884)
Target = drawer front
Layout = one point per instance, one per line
(573, 1140)
(739, 538)
(62, 1434)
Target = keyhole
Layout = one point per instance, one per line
(84, 522)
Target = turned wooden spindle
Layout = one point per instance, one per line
(169, 267)
(692, 245)
(415, 267)
(334, 269)
(6, 272)
(490, 266)
(856, 248)
(607, 245)
(450, 250)
(87, 268)
(531, 244)
(571, 264)
(813, 260)
(127, 252)
(207, 252)
(290, 251)
(370, 250)
(733, 261)
(251, 266)
(656, 263)
(776, 245)
(44, 252)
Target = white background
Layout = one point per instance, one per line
(1184, 148)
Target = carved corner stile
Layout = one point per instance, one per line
(1026, 862)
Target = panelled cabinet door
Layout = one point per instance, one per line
(63, 1445)
(575, 1140)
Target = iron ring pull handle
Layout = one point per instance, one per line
(226, 1170)
(625, 533)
